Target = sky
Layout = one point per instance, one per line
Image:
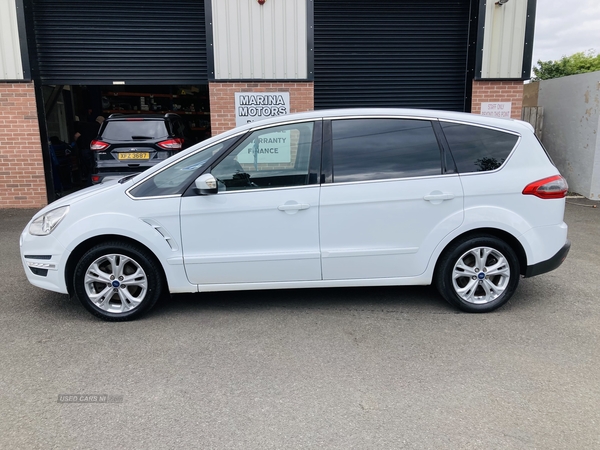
(564, 27)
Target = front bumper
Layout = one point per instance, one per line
(549, 264)
(42, 259)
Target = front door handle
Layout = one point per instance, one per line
(293, 206)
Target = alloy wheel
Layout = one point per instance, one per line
(116, 283)
(481, 275)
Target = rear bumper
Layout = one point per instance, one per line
(109, 163)
(114, 170)
(549, 264)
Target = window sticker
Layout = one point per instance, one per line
(267, 148)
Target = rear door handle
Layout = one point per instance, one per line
(437, 197)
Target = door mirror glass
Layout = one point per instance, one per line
(206, 184)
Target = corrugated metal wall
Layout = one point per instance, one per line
(379, 53)
(260, 42)
(136, 42)
(11, 66)
(503, 41)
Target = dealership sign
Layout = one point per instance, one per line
(253, 106)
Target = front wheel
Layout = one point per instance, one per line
(117, 281)
(479, 274)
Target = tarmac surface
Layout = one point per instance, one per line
(372, 368)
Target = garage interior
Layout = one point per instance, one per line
(91, 59)
(69, 109)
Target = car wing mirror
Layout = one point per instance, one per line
(206, 184)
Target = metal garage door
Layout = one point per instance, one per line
(136, 42)
(391, 53)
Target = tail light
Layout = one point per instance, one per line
(98, 146)
(551, 187)
(95, 178)
(171, 144)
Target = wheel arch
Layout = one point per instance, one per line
(505, 236)
(84, 246)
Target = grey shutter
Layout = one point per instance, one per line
(391, 53)
(138, 42)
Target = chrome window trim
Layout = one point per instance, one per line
(280, 124)
(480, 125)
(391, 180)
(321, 118)
(386, 180)
(383, 116)
(429, 118)
(258, 189)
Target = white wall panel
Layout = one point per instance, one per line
(260, 42)
(11, 66)
(571, 122)
(504, 38)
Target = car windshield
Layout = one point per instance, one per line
(131, 130)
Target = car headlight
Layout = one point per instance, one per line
(46, 223)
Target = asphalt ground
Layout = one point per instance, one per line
(376, 368)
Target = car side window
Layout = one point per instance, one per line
(379, 149)
(478, 149)
(268, 158)
(176, 178)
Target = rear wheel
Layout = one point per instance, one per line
(479, 274)
(118, 281)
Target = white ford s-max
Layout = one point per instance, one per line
(362, 197)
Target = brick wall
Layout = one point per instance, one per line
(22, 182)
(222, 99)
(498, 91)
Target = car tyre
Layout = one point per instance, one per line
(118, 281)
(479, 274)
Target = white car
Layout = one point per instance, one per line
(364, 197)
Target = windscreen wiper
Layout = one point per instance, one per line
(127, 178)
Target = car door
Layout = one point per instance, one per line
(388, 200)
(262, 225)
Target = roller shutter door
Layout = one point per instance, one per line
(136, 42)
(391, 53)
